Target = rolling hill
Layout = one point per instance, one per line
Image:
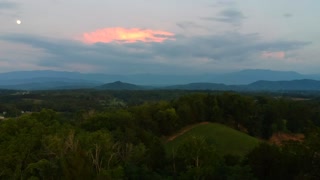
(226, 139)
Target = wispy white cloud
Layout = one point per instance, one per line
(273, 55)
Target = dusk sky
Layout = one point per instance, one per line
(159, 36)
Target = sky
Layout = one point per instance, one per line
(159, 36)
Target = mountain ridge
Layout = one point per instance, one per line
(240, 80)
(118, 85)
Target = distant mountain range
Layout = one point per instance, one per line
(118, 85)
(304, 84)
(294, 85)
(242, 80)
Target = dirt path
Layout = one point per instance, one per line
(184, 130)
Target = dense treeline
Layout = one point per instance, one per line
(13, 102)
(126, 140)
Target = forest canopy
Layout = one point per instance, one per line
(83, 134)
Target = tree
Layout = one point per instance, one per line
(167, 120)
(197, 159)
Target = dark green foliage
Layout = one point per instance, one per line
(87, 134)
(156, 155)
(293, 160)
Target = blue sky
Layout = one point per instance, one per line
(159, 36)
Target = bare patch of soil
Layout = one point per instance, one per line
(280, 138)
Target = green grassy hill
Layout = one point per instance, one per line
(226, 139)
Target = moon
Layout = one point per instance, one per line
(18, 21)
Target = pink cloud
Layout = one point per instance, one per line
(274, 55)
(120, 34)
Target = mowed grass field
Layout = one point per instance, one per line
(226, 139)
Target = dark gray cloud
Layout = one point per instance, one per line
(65, 52)
(287, 15)
(190, 25)
(231, 16)
(223, 3)
(227, 47)
(163, 57)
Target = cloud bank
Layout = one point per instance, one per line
(204, 53)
